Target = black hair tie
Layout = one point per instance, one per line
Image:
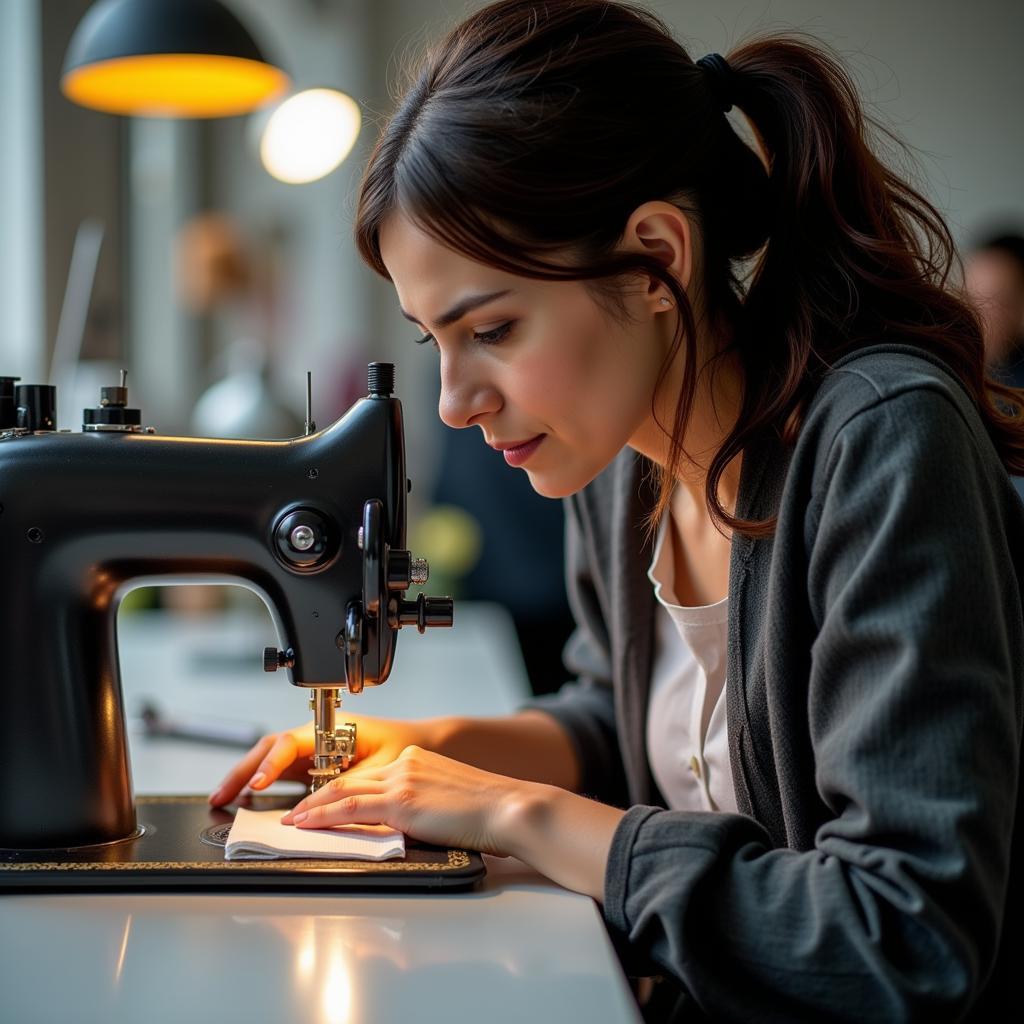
(720, 78)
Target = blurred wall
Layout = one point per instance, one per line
(326, 302)
(82, 178)
(946, 75)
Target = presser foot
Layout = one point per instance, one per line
(329, 766)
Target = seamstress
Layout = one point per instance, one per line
(788, 764)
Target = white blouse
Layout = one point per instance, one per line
(687, 743)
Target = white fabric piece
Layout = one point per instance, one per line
(259, 835)
(687, 741)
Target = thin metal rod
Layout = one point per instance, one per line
(327, 765)
(310, 425)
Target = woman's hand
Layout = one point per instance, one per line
(423, 794)
(289, 754)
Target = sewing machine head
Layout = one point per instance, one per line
(315, 525)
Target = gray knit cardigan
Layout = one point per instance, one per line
(874, 692)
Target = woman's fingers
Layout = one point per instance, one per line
(343, 786)
(375, 808)
(259, 768)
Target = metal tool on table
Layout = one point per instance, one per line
(315, 525)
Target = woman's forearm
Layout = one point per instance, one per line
(562, 835)
(530, 745)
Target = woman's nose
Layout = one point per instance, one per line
(465, 396)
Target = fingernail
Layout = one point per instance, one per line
(257, 780)
(301, 816)
(215, 796)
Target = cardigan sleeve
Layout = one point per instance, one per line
(585, 706)
(914, 712)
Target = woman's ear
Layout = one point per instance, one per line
(662, 230)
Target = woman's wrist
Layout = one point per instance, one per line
(522, 819)
(562, 835)
(439, 732)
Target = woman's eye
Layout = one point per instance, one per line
(492, 337)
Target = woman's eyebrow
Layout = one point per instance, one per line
(458, 311)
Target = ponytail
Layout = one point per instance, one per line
(855, 255)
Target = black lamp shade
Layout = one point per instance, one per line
(190, 58)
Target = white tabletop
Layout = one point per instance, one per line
(520, 947)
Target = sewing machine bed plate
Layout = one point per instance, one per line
(171, 855)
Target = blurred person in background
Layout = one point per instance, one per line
(994, 276)
(994, 279)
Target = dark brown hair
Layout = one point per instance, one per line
(529, 135)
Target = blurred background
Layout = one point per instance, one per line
(178, 249)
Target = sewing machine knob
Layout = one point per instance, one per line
(304, 539)
(113, 414)
(8, 408)
(426, 612)
(380, 380)
(405, 571)
(36, 406)
(273, 659)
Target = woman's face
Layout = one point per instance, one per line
(539, 365)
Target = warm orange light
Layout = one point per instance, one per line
(175, 85)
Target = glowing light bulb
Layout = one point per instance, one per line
(309, 135)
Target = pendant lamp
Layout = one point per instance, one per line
(167, 58)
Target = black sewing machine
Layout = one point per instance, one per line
(315, 525)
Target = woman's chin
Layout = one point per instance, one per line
(557, 485)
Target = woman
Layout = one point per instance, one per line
(747, 376)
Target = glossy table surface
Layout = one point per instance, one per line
(519, 947)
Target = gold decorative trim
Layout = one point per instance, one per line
(169, 799)
(456, 859)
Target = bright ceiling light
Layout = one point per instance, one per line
(309, 135)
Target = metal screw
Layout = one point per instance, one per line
(313, 474)
(35, 535)
(302, 538)
(359, 539)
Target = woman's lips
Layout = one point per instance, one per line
(518, 455)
